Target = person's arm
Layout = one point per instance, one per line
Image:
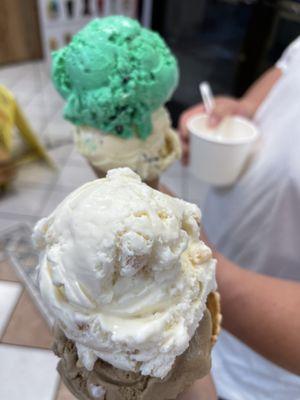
(202, 389)
(257, 93)
(262, 311)
(246, 106)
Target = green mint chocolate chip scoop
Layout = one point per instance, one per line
(113, 75)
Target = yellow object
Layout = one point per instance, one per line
(11, 115)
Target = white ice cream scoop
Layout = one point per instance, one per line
(124, 273)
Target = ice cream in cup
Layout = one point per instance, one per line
(132, 289)
(219, 155)
(116, 77)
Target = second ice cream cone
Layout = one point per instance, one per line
(148, 158)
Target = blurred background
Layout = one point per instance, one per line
(226, 42)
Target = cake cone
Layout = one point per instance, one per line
(114, 384)
(127, 279)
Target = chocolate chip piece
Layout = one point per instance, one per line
(119, 128)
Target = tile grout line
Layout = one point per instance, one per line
(25, 345)
(21, 346)
(7, 281)
(52, 187)
(14, 309)
(23, 292)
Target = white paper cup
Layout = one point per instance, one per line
(218, 156)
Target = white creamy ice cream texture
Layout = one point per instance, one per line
(123, 271)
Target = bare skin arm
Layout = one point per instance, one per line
(203, 389)
(257, 93)
(246, 106)
(261, 311)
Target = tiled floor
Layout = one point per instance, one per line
(9, 295)
(42, 105)
(25, 338)
(27, 364)
(33, 373)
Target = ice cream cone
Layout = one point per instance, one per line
(127, 278)
(115, 93)
(148, 158)
(114, 384)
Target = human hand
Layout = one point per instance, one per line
(224, 106)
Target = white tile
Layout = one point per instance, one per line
(77, 159)
(10, 222)
(195, 190)
(38, 122)
(27, 373)
(183, 184)
(55, 198)
(23, 201)
(53, 98)
(9, 295)
(47, 99)
(176, 169)
(37, 174)
(61, 153)
(10, 75)
(73, 176)
(24, 90)
(35, 110)
(173, 178)
(59, 130)
(173, 183)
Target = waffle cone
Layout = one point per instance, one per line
(214, 306)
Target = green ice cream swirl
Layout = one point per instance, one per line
(113, 75)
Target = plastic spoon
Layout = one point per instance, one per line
(207, 96)
(209, 103)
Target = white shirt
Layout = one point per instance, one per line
(256, 224)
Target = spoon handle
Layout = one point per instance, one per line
(207, 97)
